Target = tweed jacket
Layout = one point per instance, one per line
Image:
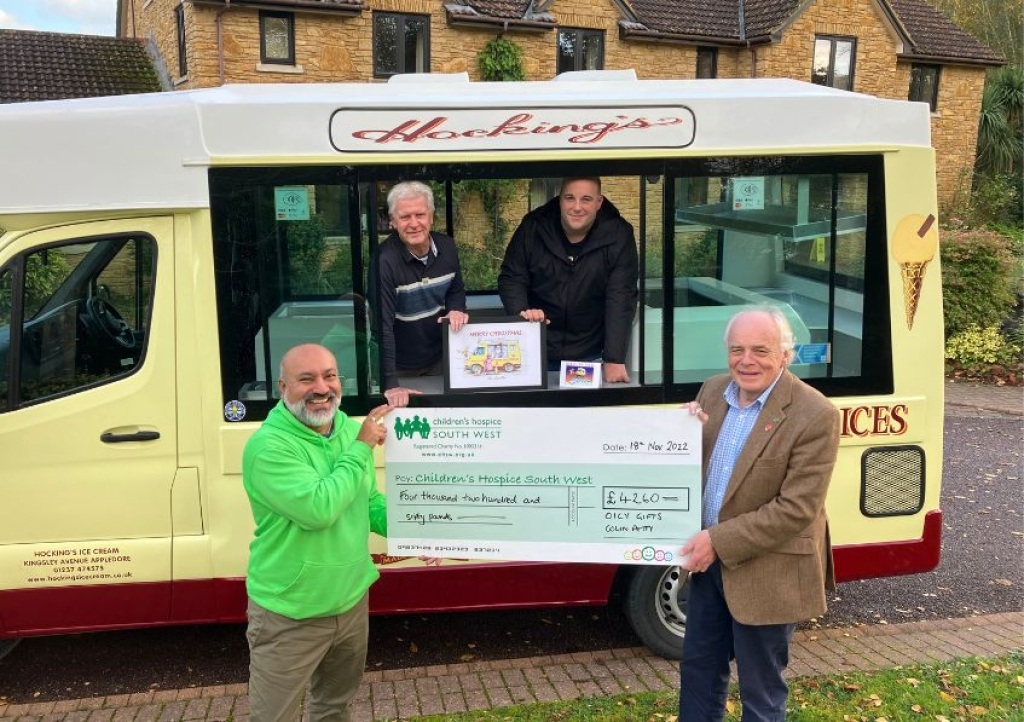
(772, 534)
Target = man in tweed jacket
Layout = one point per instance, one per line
(762, 561)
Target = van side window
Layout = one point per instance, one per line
(287, 274)
(73, 316)
(802, 241)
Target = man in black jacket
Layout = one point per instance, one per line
(572, 263)
(415, 284)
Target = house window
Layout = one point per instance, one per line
(277, 38)
(401, 44)
(580, 49)
(542, 190)
(179, 20)
(707, 62)
(833, 62)
(924, 84)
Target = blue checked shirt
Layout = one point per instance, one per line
(731, 439)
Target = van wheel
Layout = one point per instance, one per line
(508, 368)
(655, 605)
(475, 369)
(6, 645)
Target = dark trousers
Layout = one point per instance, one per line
(713, 639)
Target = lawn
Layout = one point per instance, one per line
(960, 690)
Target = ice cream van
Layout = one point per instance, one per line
(494, 356)
(159, 253)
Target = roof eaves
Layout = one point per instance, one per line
(333, 7)
(628, 14)
(460, 15)
(640, 32)
(898, 25)
(774, 35)
(949, 60)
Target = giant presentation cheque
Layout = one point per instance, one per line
(582, 484)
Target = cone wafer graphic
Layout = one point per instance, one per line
(914, 244)
(913, 276)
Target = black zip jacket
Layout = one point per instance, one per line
(590, 300)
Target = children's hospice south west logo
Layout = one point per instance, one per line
(406, 428)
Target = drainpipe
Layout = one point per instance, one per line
(743, 36)
(220, 39)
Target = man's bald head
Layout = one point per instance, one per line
(310, 385)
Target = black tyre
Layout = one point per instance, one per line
(476, 369)
(655, 605)
(6, 645)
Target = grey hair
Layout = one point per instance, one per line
(786, 337)
(409, 189)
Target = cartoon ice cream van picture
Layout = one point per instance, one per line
(494, 356)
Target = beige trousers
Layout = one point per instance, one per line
(285, 655)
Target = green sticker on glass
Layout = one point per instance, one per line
(291, 203)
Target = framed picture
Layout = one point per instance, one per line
(580, 375)
(499, 354)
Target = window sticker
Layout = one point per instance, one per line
(234, 411)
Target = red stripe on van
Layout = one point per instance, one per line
(891, 559)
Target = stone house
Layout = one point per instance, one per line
(887, 48)
(55, 66)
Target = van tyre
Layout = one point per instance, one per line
(655, 605)
(6, 645)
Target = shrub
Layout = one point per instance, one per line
(975, 350)
(997, 199)
(501, 59)
(990, 200)
(977, 279)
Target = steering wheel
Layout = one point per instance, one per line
(109, 319)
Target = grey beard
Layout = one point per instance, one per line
(313, 419)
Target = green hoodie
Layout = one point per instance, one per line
(314, 500)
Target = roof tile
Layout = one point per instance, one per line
(934, 35)
(706, 18)
(508, 9)
(52, 66)
(764, 17)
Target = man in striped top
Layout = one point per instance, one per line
(415, 285)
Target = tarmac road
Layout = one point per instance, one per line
(981, 572)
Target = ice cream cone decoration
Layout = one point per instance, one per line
(914, 244)
(913, 277)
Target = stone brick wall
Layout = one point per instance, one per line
(331, 47)
(874, 69)
(955, 127)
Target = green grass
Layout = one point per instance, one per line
(960, 690)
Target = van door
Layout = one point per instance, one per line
(87, 425)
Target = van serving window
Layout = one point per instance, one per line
(792, 232)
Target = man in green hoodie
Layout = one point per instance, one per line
(310, 477)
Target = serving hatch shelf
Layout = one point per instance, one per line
(774, 220)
